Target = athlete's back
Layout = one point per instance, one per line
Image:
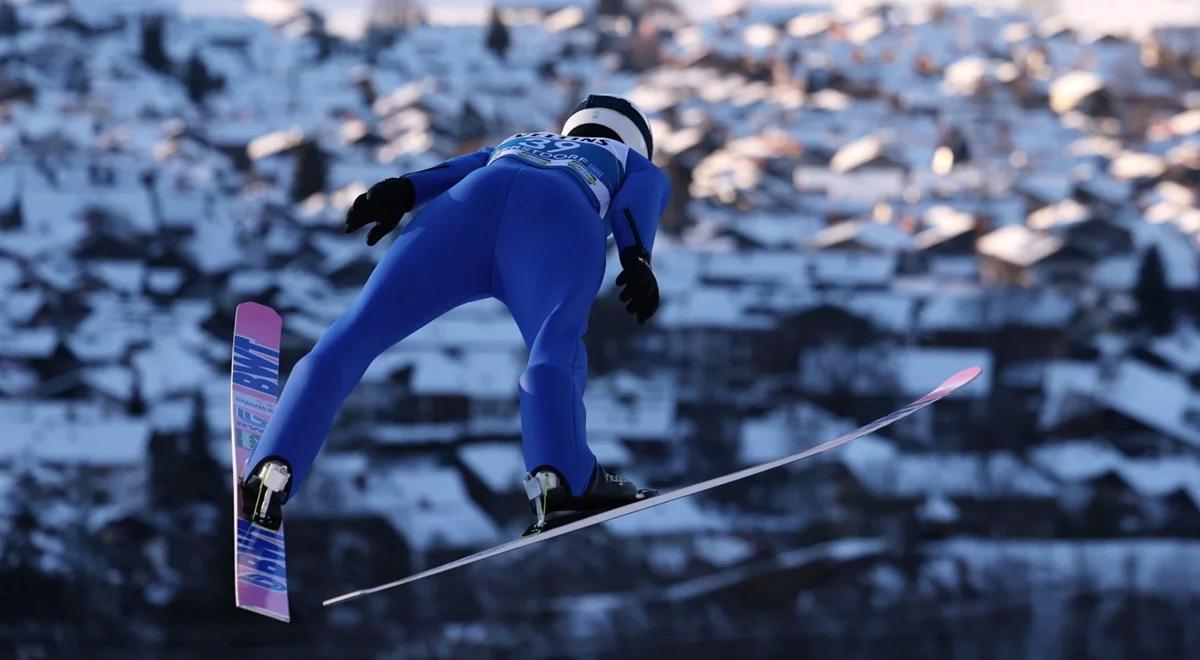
(598, 164)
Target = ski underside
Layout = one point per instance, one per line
(948, 386)
(259, 567)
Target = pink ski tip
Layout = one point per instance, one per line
(952, 383)
(258, 322)
(257, 312)
(959, 379)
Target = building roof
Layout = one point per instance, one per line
(1109, 565)
(943, 223)
(624, 405)
(1159, 399)
(853, 268)
(427, 504)
(499, 465)
(1085, 460)
(1056, 216)
(882, 236)
(1018, 245)
(887, 473)
(112, 442)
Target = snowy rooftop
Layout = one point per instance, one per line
(631, 407)
(1153, 477)
(872, 235)
(1018, 245)
(427, 504)
(98, 443)
(500, 465)
(1144, 565)
(888, 473)
(787, 431)
(1161, 400)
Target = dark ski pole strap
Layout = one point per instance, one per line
(637, 236)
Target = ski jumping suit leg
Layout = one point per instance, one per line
(550, 264)
(527, 236)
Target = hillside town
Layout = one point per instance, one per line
(863, 204)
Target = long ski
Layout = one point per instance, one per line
(260, 569)
(949, 385)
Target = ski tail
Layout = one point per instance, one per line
(260, 569)
(948, 386)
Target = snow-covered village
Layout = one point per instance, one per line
(864, 202)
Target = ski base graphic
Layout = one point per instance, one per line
(948, 386)
(260, 569)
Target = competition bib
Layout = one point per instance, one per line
(598, 162)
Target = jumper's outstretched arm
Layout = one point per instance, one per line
(387, 201)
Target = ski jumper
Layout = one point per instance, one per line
(526, 223)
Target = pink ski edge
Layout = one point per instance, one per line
(263, 600)
(264, 326)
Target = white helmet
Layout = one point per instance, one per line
(613, 117)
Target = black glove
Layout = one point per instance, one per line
(384, 204)
(640, 292)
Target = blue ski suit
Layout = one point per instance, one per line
(525, 222)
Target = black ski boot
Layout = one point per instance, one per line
(553, 504)
(264, 491)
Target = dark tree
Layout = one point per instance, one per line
(312, 167)
(136, 405)
(367, 91)
(195, 78)
(323, 42)
(20, 553)
(611, 8)
(610, 336)
(388, 19)
(207, 480)
(12, 217)
(28, 542)
(957, 142)
(1155, 308)
(183, 471)
(9, 24)
(498, 39)
(154, 54)
(198, 80)
(472, 125)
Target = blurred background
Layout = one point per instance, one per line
(867, 198)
